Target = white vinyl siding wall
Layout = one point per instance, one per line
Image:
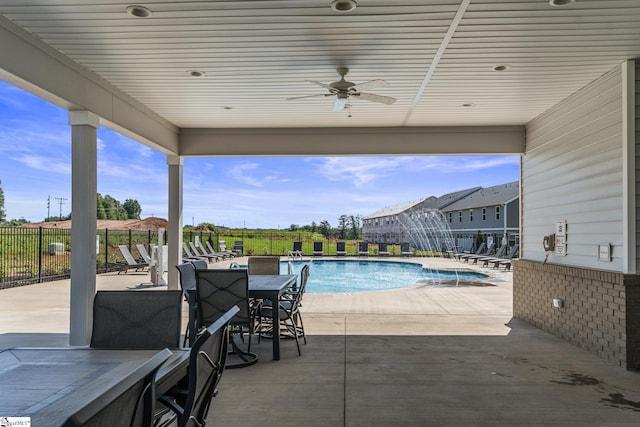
(572, 170)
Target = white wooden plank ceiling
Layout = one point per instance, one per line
(437, 56)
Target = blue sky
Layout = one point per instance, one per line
(252, 192)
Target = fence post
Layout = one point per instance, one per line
(39, 254)
(106, 250)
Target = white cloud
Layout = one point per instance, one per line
(250, 173)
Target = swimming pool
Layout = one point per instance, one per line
(331, 276)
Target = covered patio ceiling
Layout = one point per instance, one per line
(213, 78)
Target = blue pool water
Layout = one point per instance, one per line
(330, 276)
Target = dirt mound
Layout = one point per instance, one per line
(151, 223)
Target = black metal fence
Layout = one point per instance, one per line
(33, 255)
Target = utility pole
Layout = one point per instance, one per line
(61, 199)
(48, 207)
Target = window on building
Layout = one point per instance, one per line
(470, 214)
(497, 212)
(484, 214)
(460, 216)
(450, 216)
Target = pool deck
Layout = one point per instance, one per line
(427, 356)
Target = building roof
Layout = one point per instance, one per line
(469, 198)
(491, 196)
(399, 208)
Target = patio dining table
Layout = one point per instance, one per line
(50, 384)
(261, 286)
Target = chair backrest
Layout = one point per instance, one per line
(186, 250)
(382, 247)
(512, 252)
(363, 247)
(194, 249)
(130, 403)
(490, 249)
(481, 248)
(207, 359)
(199, 264)
(238, 246)
(127, 255)
(264, 265)
(218, 290)
(501, 250)
(404, 247)
(187, 273)
(317, 246)
(136, 319)
(340, 246)
(143, 252)
(297, 246)
(304, 277)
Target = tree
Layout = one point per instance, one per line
(133, 209)
(325, 228)
(3, 213)
(355, 230)
(101, 213)
(342, 226)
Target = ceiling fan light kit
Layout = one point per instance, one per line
(343, 90)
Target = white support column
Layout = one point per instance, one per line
(174, 235)
(84, 125)
(629, 167)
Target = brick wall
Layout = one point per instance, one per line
(601, 310)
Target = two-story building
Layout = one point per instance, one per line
(492, 212)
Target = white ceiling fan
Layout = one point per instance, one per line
(343, 90)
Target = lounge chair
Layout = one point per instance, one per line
(223, 253)
(238, 247)
(363, 249)
(296, 252)
(499, 254)
(506, 261)
(382, 249)
(187, 253)
(340, 249)
(405, 250)
(132, 263)
(203, 254)
(487, 253)
(478, 251)
(142, 250)
(317, 249)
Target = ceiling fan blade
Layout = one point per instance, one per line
(326, 86)
(370, 84)
(339, 104)
(308, 96)
(375, 98)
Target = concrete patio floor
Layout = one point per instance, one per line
(421, 356)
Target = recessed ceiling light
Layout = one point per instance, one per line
(196, 73)
(138, 11)
(560, 3)
(227, 107)
(343, 5)
(468, 104)
(503, 67)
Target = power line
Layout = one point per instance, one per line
(61, 199)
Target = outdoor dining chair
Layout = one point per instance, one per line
(131, 402)
(207, 360)
(291, 324)
(264, 265)
(216, 292)
(136, 319)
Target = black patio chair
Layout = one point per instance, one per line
(136, 319)
(207, 361)
(264, 265)
(216, 292)
(130, 403)
(340, 249)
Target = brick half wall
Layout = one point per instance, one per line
(601, 311)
